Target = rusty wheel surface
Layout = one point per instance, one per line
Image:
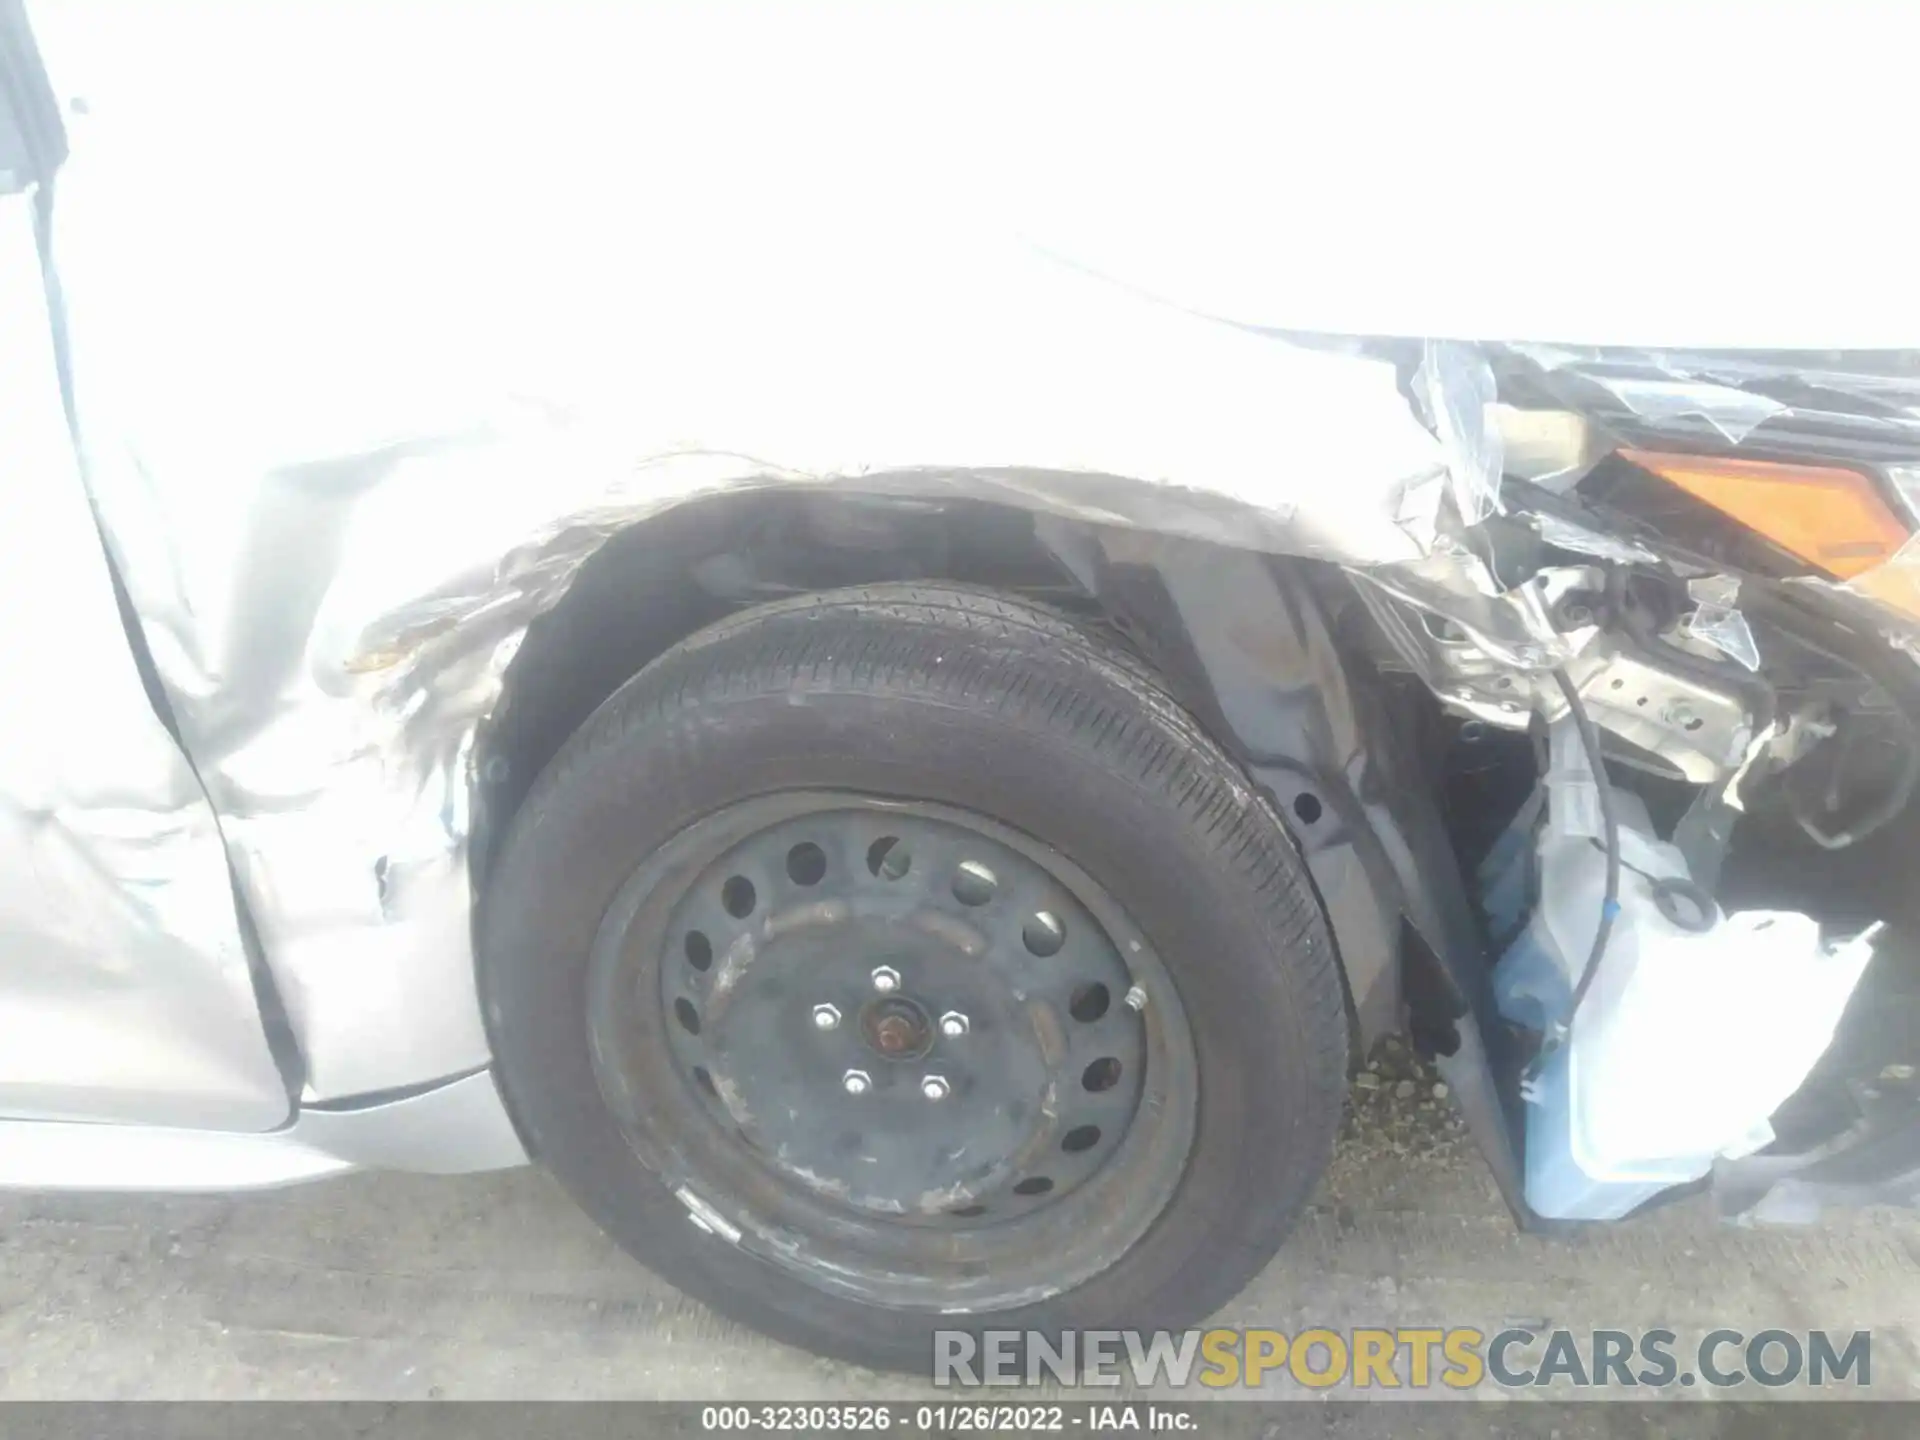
(901, 1049)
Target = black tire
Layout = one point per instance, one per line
(967, 700)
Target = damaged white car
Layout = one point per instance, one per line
(894, 664)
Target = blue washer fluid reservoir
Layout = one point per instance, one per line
(1696, 1028)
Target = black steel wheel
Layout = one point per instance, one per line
(904, 1050)
(903, 959)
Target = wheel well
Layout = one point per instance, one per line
(651, 586)
(1243, 641)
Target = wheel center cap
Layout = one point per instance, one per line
(897, 1028)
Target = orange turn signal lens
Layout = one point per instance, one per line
(1824, 515)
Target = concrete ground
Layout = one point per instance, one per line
(493, 1287)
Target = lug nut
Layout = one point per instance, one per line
(934, 1087)
(886, 979)
(856, 1082)
(825, 1017)
(953, 1025)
